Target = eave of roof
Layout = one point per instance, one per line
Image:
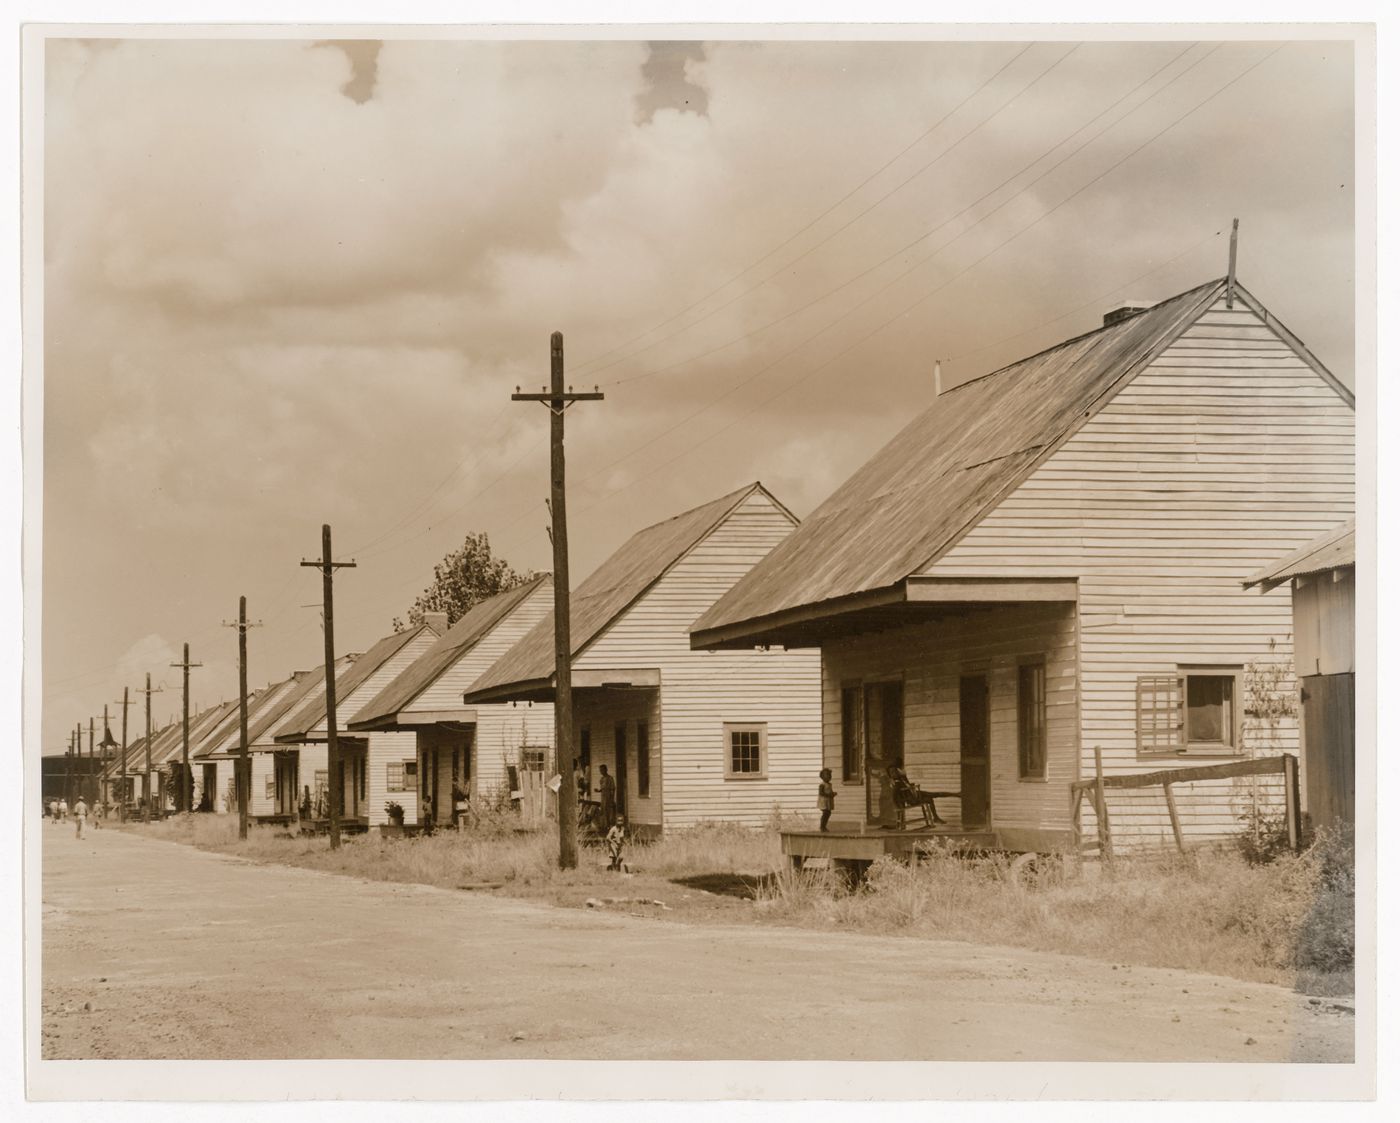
(1334, 550)
(382, 711)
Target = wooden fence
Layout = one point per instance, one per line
(1094, 789)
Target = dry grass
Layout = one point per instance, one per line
(1288, 921)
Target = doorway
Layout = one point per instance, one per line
(884, 747)
(620, 763)
(975, 721)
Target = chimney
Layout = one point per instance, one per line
(436, 620)
(1124, 311)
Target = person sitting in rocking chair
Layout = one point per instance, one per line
(909, 794)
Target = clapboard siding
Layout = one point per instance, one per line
(445, 692)
(701, 691)
(1223, 454)
(501, 731)
(382, 675)
(930, 658)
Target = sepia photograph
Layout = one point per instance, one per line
(738, 544)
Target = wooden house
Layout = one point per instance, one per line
(1322, 576)
(689, 736)
(358, 680)
(1048, 561)
(273, 769)
(462, 747)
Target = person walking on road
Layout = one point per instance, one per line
(62, 810)
(80, 814)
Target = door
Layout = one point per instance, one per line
(974, 719)
(620, 756)
(1329, 747)
(884, 748)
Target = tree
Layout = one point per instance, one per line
(463, 578)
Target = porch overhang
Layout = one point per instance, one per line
(914, 600)
(410, 721)
(542, 689)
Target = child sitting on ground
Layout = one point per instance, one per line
(615, 839)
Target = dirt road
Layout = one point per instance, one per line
(185, 954)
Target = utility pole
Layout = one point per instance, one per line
(121, 799)
(186, 780)
(337, 784)
(245, 774)
(92, 764)
(68, 779)
(150, 784)
(78, 764)
(558, 401)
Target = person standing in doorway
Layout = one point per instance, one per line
(80, 814)
(826, 798)
(607, 794)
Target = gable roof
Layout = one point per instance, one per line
(464, 635)
(275, 698)
(607, 592)
(1334, 550)
(299, 727)
(949, 468)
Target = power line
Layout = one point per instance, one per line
(829, 326)
(803, 376)
(854, 218)
(952, 218)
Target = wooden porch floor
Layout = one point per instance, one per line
(852, 842)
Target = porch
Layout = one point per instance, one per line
(858, 843)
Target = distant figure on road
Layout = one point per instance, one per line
(826, 797)
(53, 810)
(616, 837)
(607, 791)
(80, 813)
(62, 810)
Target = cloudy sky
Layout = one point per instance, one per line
(292, 282)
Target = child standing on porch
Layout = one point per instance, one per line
(826, 797)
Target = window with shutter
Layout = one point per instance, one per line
(1161, 726)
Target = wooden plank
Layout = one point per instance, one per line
(1292, 804)
(1258, 766)
(933, 589)
(1101, 808)
(1176, 820)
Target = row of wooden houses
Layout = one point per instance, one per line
(1055, 564)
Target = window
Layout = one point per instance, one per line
(532, 758)
(643, 760)
(271, 787)
(746, 752)
(850, 733)
(1030, 720)
(1194, 711)
(394, 777)
(410, 773)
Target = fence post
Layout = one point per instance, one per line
(1101, 808)
(1171, 813)
(1292, 811)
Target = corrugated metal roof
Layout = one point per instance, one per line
(1334, 550)
(458, 641)
(298, 728)
(609, 590)
(949, 467)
